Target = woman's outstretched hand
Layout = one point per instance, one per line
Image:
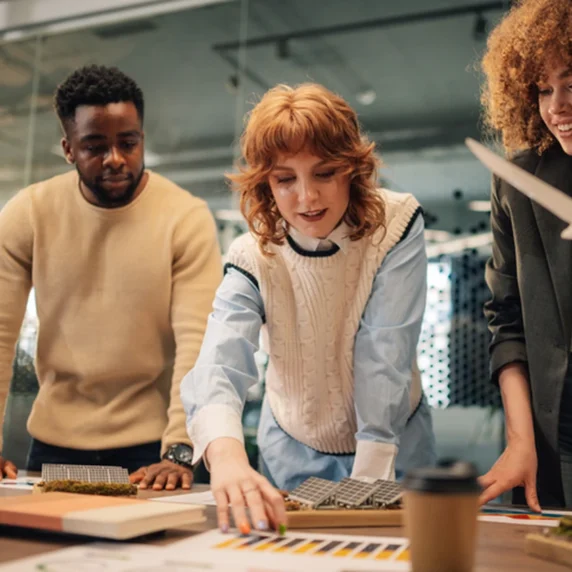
(236, 484)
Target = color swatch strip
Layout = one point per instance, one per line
(392, 551)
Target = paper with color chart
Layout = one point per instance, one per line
(297, 551)
(200, 553)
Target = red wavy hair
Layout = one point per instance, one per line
(309, 117)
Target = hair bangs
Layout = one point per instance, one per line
(291, 131)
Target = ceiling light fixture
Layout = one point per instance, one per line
(480, 28)
(283, 49)
(366, 96)
(232, 84)
(480, 206)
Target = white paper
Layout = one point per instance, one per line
(510, 519)
(104, 557)
(205, 498)
(21, 483)
(516, 516)
(89, 558)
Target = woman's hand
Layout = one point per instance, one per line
(234, 482)
(516, 467)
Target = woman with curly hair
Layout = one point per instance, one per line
(333, 272)
(528, 99)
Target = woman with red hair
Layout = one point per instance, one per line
(333, 272)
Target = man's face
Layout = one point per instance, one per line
(106, 145)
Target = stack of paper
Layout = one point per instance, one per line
(104, 517)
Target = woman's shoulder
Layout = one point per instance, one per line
(394, 199)
(243, 245)
(245, 252)
(401, 209)
(526, 159)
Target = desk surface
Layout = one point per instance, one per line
(500, 547)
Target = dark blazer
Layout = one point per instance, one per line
(530, 313)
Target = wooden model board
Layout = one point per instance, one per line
(348, 503)
(99, 516)
(549, 547)
(344, 518)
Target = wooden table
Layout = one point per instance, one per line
(500, 547)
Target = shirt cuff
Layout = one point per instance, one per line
(210, 423)
(374, 461)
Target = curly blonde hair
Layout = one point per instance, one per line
(533, 35)
(288, 120)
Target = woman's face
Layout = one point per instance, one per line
(311, 195)
(555, 104)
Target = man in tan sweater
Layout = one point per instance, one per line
(125, 265)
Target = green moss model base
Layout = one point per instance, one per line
(564, 529)
(79, 487)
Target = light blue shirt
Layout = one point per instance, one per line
(214, 392)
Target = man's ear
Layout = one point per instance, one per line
(68, 153)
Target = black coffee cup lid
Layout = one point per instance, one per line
(447, 478)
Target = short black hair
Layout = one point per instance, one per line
(95, 85)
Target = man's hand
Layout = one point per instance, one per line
(7, 469)
(164, 475)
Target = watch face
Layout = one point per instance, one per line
(183, 453)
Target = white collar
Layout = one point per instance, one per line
(338, 237)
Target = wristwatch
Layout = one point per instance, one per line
(181, 454)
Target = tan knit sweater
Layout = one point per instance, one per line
(313, 306)
(122, 297)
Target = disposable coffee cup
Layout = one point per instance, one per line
(441, 507)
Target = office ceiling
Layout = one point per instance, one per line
(407, 67)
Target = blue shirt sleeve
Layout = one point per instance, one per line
(216, 388)
(386, 342)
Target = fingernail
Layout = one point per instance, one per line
(224, 528)
(262, 525)
(282, 529)
(244, 529)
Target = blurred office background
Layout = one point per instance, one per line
(408, 68)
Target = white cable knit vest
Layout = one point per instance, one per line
(313, 306)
